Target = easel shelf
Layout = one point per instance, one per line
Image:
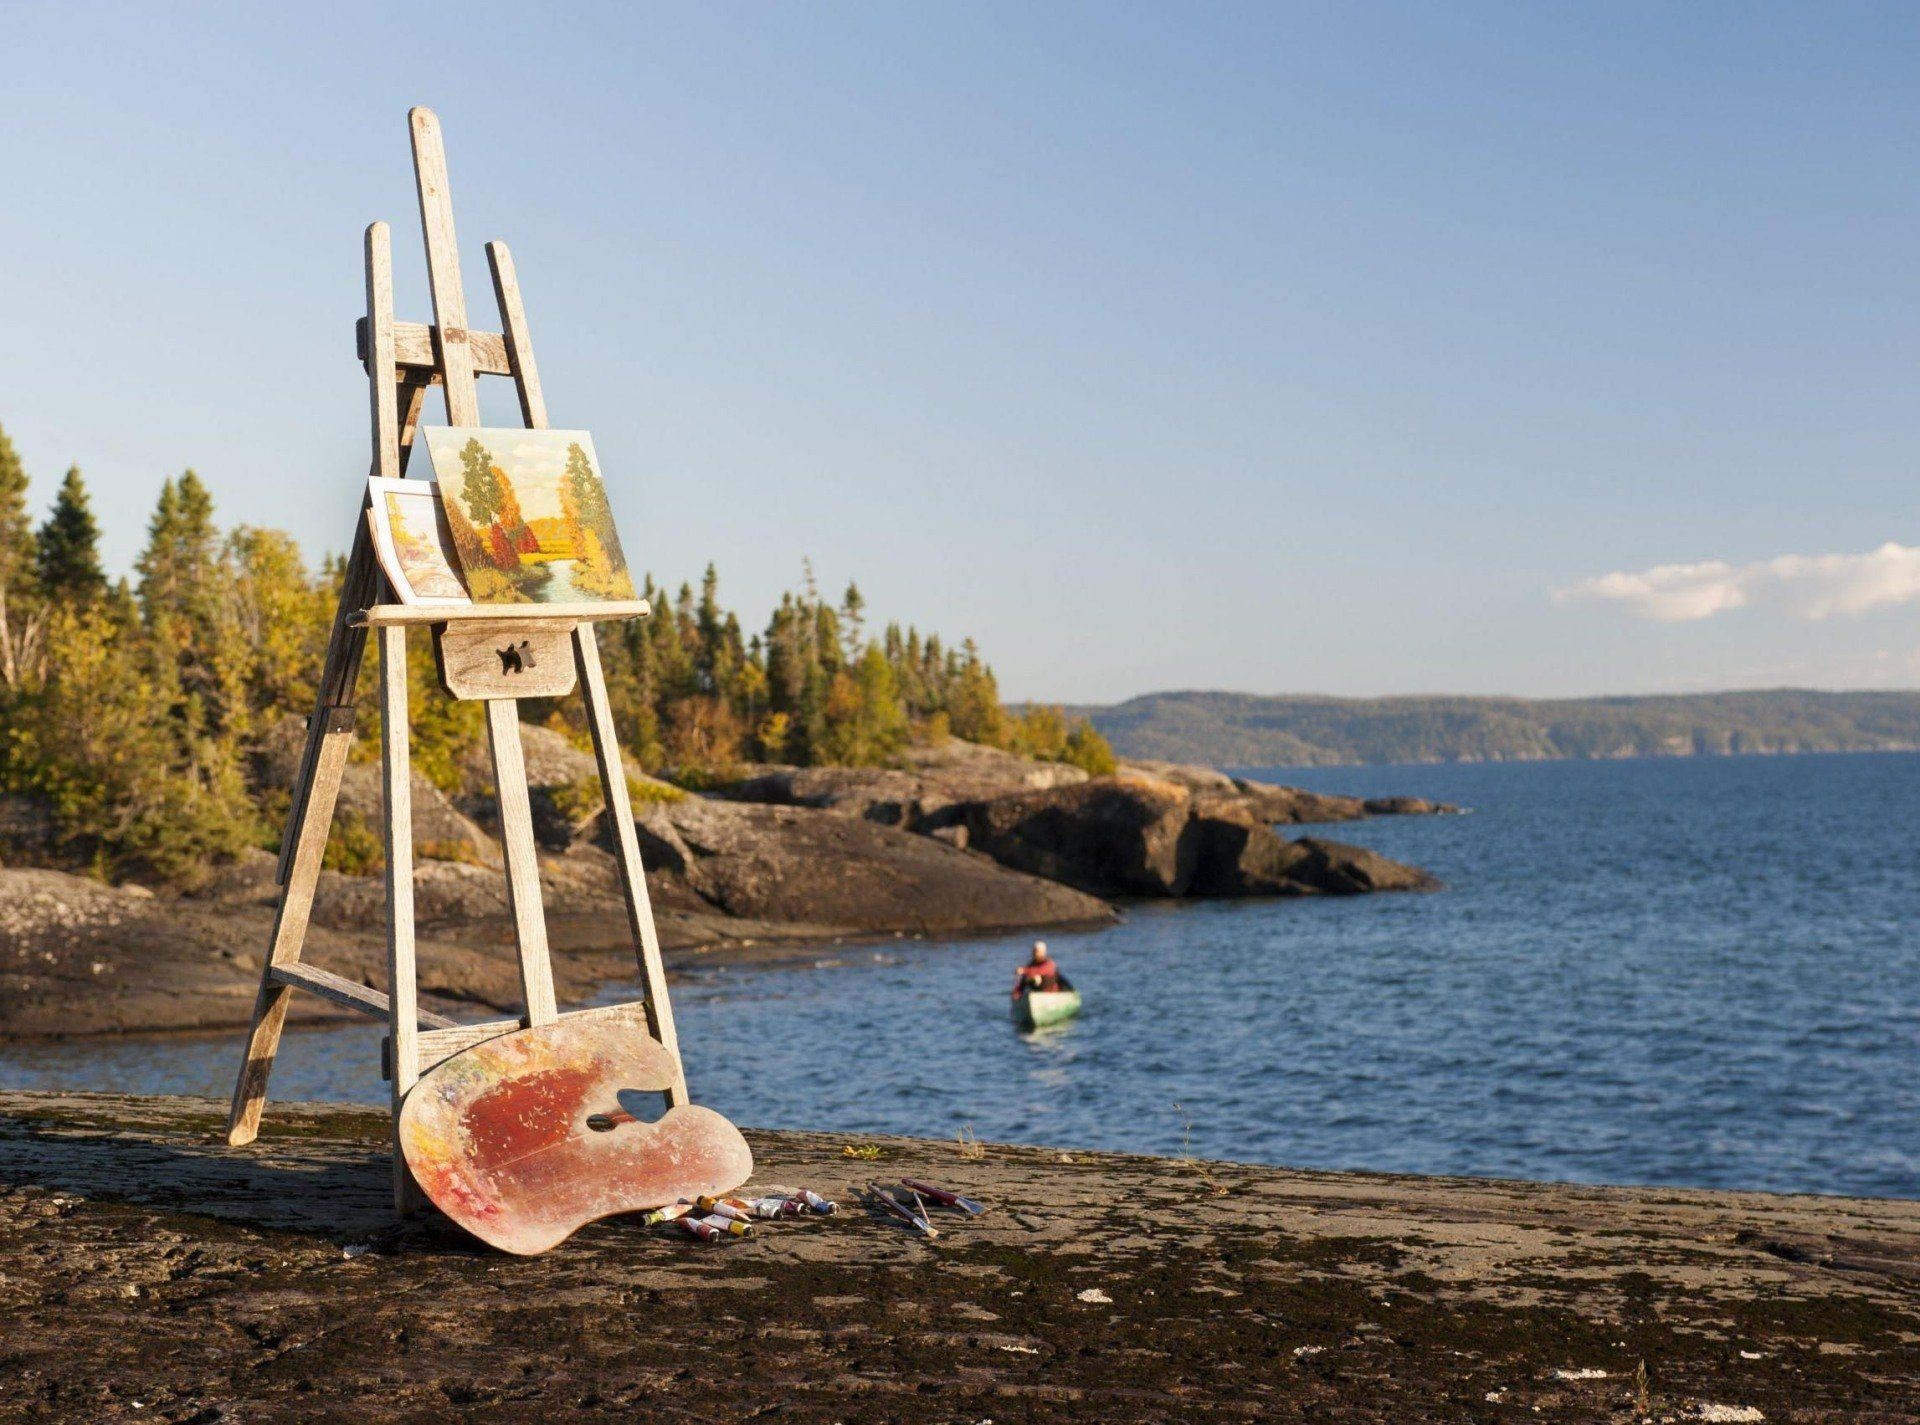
(417, 615)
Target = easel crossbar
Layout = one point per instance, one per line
(416, 345)
(348, 994)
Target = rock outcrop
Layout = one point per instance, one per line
(1238, 856)
(797, 864)
(1291, 806)
(932, 779)
(1192, 776)
(954, 772)
(1270, 802)
(1152, 829)
(1408, 806)
(1137, 835)
(1106, 836)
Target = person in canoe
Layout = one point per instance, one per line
(1040, 973)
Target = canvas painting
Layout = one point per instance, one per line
(529, 515)
(414, 542)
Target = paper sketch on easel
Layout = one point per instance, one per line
(414, 541)
(529, 515)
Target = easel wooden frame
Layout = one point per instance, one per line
(402, 360)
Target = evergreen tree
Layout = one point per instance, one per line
(786, 658)
(177, 567)
(853, 619)
(975, 702)
(708, 631)
(827, 647)
(67, 554)
(187, 605)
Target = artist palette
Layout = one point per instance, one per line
(526, 1138)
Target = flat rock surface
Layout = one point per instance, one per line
(149, 1273)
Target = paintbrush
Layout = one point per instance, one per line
(918, 1221)
(971, 1206)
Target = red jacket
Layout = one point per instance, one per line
(1044, 976)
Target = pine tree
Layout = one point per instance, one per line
(709, 631)
(975, 703)
(187, 605)
(67, 556)
(882, 720)
(827, 649)
(853, 614)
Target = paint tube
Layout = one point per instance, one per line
(724, 1207)
(725, 1224)
(672, 1212)
(775, 1207)
(699, 1227)
(815, 1203)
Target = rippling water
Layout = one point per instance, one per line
(1701, 972)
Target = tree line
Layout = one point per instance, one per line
(133, 709)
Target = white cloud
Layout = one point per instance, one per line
(1808, 586)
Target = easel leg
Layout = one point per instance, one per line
(633, 876)
(341, 671)
(403, 1012)
(290, 923)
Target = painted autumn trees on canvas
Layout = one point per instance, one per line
(530, 517)
(588, 520)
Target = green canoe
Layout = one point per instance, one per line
(1038, 1008)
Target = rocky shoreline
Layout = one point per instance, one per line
(148, 1272)
(962, 840)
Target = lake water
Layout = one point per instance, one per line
(1701, 972)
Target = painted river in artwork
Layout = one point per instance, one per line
(559, 588)
(1692, 971)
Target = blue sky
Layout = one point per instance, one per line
(1522, 348)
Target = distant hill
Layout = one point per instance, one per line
(1247, 730)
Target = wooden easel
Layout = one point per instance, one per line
(402, 360)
